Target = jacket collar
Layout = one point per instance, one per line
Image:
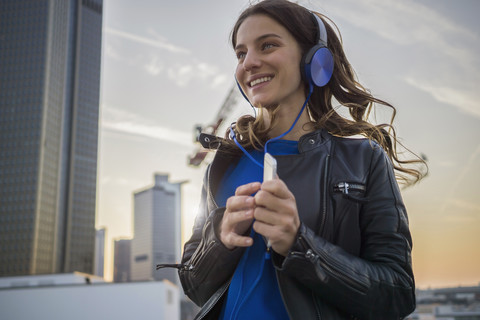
(313, 140)
(306, 143)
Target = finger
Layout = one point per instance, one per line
(238, 203)
(282, 219)
(234, 240)
(265, 229)
(231, 219)
(248, 189)
(278, 188)
(234, 224)
(264, 198)
(274, 203)
(281, 239)
(266, 216)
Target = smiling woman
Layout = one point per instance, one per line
(328, 237)
(266, 46)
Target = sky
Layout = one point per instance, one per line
(167, 66)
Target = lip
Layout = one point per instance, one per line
(256, 77)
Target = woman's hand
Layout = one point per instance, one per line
(276, 215)
(238, 217)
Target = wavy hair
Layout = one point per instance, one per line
(343, 87)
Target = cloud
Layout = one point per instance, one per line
(446, 164)
(464, 205)
(462, 211)
(129, 123)
(154, 66)
(179, 73)
(182, 74)
(112, 53)
(116, 181)
(442, 54)
(466, 101)
(408, 23)
(157, 43)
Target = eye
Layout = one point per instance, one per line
(240, 54)
(268, 45)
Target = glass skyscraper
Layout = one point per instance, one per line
(50, 53)
(157, 231)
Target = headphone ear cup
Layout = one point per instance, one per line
(318, 65)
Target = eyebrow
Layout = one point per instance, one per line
(262, 37)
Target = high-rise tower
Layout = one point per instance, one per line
(50, 53)
(157, 230)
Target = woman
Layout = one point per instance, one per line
(334, 217)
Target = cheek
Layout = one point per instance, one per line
(238, 73)
(239, 76)
(294, 77)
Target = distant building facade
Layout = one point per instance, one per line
(100, 236)
(50, 53)
(455, 303)
(69, 296)
(121, 260)
(157, 230)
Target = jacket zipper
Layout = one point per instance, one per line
(281, 294)
(210, 194)
(319, 317)
(317, 310)
(213, 304)
(345, 187)
(324, 204)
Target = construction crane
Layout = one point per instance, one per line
(228, 104)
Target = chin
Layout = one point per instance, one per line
(263, 103)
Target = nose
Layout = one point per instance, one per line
(251, 61)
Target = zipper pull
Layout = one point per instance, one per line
(184, 267)
(310, 255)
(345, 187)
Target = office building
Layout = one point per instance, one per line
(50, 53)
(121, 260)
(157, 230)
(99, 264)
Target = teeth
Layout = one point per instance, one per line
(257, 81)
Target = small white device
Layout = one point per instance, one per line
(269, 173)
(269, 167)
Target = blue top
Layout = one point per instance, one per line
(253, 292)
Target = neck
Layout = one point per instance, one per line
(285, 117)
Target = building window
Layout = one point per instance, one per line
(141, 258)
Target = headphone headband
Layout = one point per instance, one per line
(322, 36)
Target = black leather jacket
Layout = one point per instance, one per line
(351, 258)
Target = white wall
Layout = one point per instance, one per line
(119, 301)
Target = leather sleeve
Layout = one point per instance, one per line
(208, 264)
(377, 284)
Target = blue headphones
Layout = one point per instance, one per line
(317, 64)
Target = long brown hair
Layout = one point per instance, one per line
(343, 87)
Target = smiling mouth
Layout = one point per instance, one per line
(259, 80)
